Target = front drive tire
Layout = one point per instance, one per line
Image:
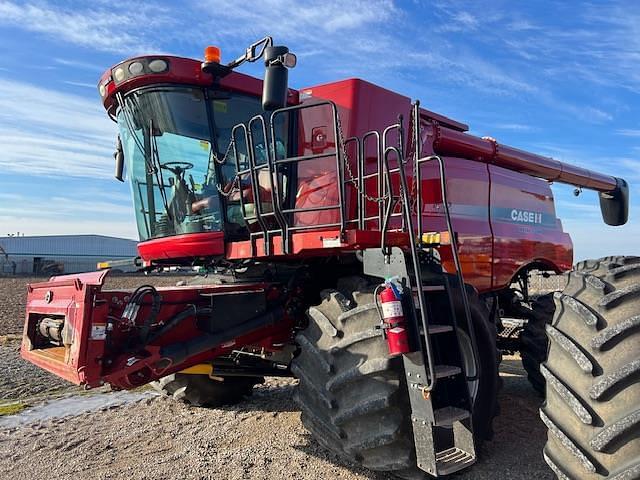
(592, 408)
(201, 390)
(353, 396)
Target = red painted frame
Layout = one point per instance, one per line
(86, 308)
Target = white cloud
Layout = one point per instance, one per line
(79, 64)
(459, 21)
(521, 25)
(80, 84)
(374, 39)
(97, 28)
(45, 132)
(628, 132)
(105, 208)
(592, 238)
(515, 127)
(601, 45)
(289, 20)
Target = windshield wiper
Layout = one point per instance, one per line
(128, 120)
(156, 169)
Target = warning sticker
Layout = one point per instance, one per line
(98, 331)
(391, 309)
(331, 242)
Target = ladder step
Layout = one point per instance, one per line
(452, 460)
(434, 329)
(447, 416)
(443, 371)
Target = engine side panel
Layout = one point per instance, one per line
(525, 227)
(468, 196)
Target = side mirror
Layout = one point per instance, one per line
(277, 61)
(118, 156)
(614, 205)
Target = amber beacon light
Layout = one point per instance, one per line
(212, 54)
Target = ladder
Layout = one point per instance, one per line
(441, 417)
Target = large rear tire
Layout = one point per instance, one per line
(353, 397)
(201, 390)
(592, 408)
(534, 343)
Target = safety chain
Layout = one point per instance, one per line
(235, 186)
(224, 157)
(235, 183)
(347, 164)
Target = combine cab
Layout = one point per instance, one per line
(361, 243)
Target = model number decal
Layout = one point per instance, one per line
(525, 216)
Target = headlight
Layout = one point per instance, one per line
(136, 68)
(118, 75)
(158, 65)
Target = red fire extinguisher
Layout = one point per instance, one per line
(394, 319)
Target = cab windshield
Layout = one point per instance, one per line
(174, 141)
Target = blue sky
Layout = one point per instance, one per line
(560, 78)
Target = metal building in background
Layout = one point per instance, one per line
(55, 254)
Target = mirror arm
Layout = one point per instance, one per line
(250, 54)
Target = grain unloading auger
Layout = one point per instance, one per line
(361, 243)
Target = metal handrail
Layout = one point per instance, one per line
(422, 301)
(376, 136)
(340, 205)
(274, 185)
(445, 201)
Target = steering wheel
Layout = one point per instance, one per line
(177, 167)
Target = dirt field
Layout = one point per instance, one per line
(156, 438)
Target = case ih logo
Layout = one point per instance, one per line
(524, 216)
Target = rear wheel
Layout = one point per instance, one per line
(203, 391)
(592, 407)
(534, 343)
(353, 396)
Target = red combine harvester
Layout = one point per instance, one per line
(369, 247)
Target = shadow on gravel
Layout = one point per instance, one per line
(314, 449)
(516, 449)
(268, 398)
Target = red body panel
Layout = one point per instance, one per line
(520, 239)
(493, 248)
(189, 245)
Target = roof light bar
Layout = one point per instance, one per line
(139, 66)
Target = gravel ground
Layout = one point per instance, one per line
(260, 438)
(22, 380)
